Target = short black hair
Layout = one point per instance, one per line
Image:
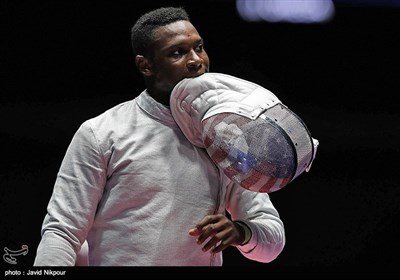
(143, 30)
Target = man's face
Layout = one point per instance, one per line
(178, 53)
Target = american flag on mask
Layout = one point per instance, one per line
(253, 153)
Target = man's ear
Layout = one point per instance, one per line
(143, 64)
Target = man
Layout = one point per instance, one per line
(138, 191)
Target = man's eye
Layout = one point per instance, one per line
(200, 48)
(176, 53)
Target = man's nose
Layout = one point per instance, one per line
(195, 60)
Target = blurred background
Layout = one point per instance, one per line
(334, 63)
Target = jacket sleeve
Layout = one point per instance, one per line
(256, 210)
(78, 188)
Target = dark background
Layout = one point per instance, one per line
(63, 62)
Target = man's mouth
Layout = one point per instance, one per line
(197, 74)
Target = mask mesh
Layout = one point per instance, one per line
(261, 155)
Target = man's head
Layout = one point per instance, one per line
(167, 48)
(142, 33)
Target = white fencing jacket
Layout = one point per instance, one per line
(132, 185)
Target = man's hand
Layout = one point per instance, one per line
(220, 230)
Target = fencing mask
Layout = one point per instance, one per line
(250, 135)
